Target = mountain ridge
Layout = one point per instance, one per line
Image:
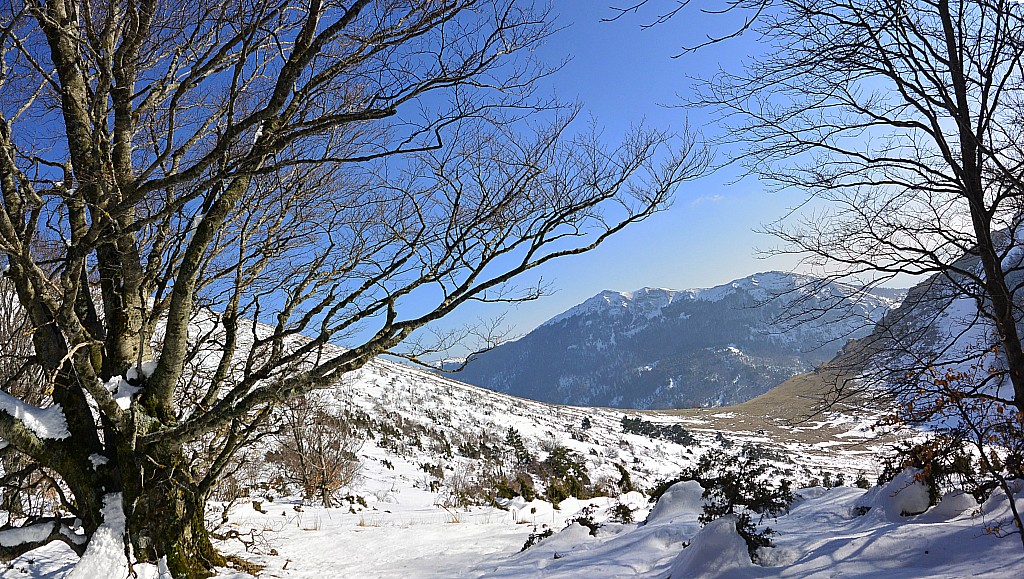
(658, 348)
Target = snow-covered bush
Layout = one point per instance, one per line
(585, 518)
(940, 462)
(976, 424)
(565, 475)
(621, 513)
(537, 536)
(741, 484)
(715, 551)
(905, 495)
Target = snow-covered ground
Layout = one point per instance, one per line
(394, 524)
(827, 533)
(405, 536)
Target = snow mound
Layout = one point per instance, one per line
(571, 538)
(998, 504)
(952, 505)
(684, 498)
(903, 496)
(716, 551)
(807, 493)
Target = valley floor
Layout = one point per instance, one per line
(822, 536)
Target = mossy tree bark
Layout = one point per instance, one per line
(167, 519)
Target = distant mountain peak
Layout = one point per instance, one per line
(648, 301)
(664, 348)
(765, 285)
(644, 301)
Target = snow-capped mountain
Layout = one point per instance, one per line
(661, 348)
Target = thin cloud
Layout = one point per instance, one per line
(706, 199)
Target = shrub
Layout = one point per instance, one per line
(519, 455)
(316, 449)
(671, 432)
(566, 475)
(622, 513)
(739, 484)
(465, 485)
(521, 486)
(625, 482)
(942, 462)
(434, 470)
(968, 410)
(536, 537)
(586, 518)
(723, 441)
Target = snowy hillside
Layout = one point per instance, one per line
(445, 417)
(660, 348)
(424, 443)
(937, 329)
(408, 529)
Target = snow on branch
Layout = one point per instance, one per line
(46, 422)
(16, 541)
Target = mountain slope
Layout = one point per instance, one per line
(660, 348)
(398, 523)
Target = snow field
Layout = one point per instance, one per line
(402, 531)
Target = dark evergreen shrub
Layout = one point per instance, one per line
(566, 475)
(586, 518)
(520, 456)
(622, 513)
(536, 537)
(625, 482)
(671, 432)
(741, 484)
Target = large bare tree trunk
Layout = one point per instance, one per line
(167, 518)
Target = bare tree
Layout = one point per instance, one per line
(228, 190)
(316, 448)
(901, 120)
(904, 118)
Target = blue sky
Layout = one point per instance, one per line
(623, 74)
